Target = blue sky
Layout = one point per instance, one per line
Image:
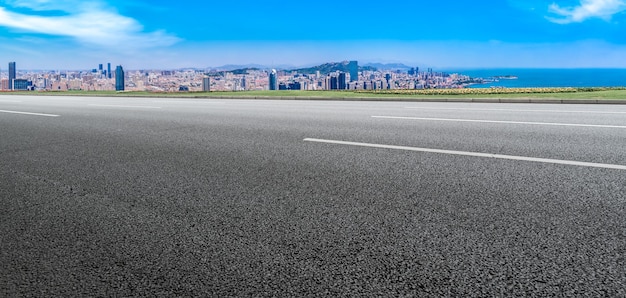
(139, 34)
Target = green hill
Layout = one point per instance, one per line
(241, 71)
(327, 68)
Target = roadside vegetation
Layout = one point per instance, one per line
(534, 93)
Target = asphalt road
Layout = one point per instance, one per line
(182, 197)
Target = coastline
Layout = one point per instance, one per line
(548, 77)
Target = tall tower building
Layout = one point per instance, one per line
(109, 70)
(353, 67)
(342, 81)
(388, 79)
(206, 84)
(119, 78)
(12, 75)
(334, 83)
(273, 80)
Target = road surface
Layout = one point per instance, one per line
(184, 197)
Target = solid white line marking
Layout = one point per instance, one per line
(500, 122)
(8, 100)
(28, 113)
(474, 154)
(122, 106)
(514, 110)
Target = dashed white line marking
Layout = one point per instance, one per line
(188, 101)
(123, 106)
(514, 110)
(29, 113)
(473, 154)
(500, 122)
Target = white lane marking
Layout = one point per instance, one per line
(474, 154)
(123, 106)
(185, 101)
(8, 100)
(500, 122)
(514, 110)
(29, 113)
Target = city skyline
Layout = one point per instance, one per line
(139, 34)
(332, 76)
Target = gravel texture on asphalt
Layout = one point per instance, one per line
(223, 198)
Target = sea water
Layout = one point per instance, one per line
(588, 77)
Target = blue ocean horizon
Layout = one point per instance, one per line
(535, 77)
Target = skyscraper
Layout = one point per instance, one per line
(342, 81)
(353, 67)
(12, 75)
(388, 79)
(109, 70)
(334, 83)
(273, 80)
(206, 84)
(119, 78)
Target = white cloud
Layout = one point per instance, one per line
(45, 5)
(88, 22)
(604, 9)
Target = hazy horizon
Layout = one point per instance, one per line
(421, 68)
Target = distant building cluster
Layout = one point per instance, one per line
(339, 80)
(95, 80)
(101, 79)
(12, 82)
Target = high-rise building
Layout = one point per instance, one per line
(353, 67)
(206, 84)
(12, 75)
(388, 79)
(334, 83)
(273, 80)
(342, 81)
(119, 78)
(109, 70)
